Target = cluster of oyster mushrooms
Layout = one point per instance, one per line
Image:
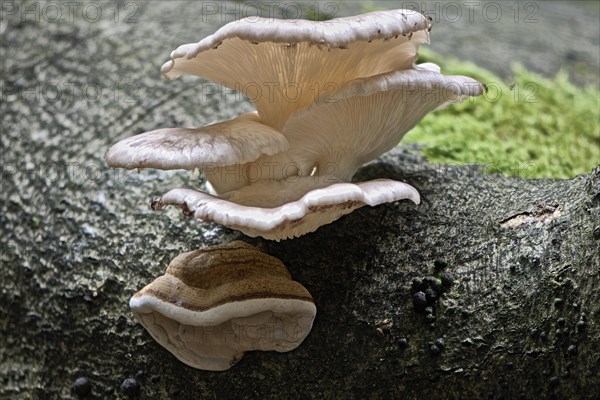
(329, 97)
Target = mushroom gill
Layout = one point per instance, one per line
(285, 65)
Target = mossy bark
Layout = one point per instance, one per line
(515, 262)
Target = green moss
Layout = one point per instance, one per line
(368, 6)
(531, 127)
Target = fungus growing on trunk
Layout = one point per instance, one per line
(329, 97)
(214, 304)
(294, 218)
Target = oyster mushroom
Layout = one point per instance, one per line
(239, 140)
(314, 209)
(357, 92)
(285, 65)
(214, 304)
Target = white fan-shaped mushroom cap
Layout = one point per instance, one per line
(317, 207)
(361, 121)
(237, 141)
(284, 65)
(369, 116)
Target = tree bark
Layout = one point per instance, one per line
(514, 262)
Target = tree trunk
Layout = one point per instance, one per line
(514, 262)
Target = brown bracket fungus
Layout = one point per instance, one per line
(214, 304)
(329, 97)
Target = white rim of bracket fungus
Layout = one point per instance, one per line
(214, 304)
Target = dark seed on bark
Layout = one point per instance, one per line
(131, 387)
(82, 386)
(440, 343)
(419, 301)
(431, 296)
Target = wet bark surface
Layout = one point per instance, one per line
(508, 266)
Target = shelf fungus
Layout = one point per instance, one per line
(329, 97)
(214, 304)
